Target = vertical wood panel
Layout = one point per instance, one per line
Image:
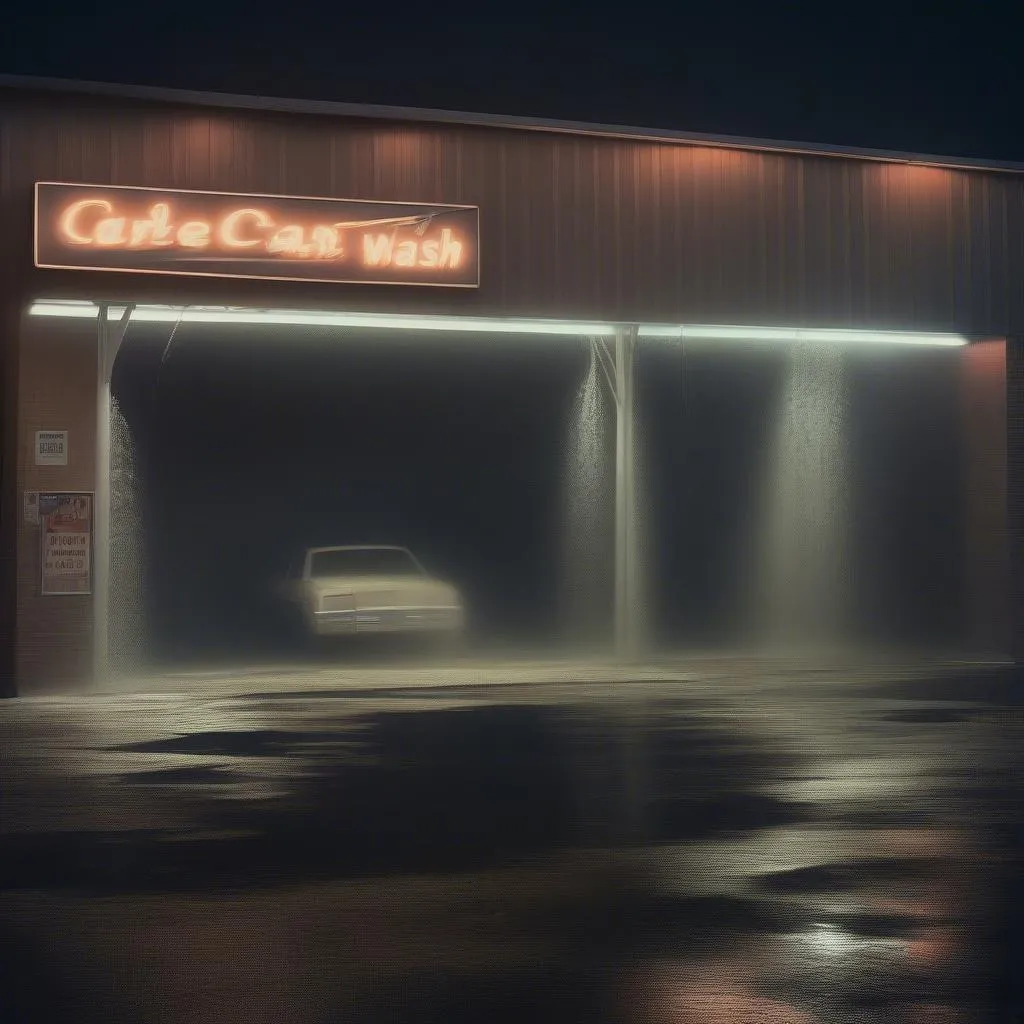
(585, 218)
(690, 260)
(818, 244)
(653, 201)
(899, 244)
(978, 236)
(521, 271)
(985, 464)
(960, 255)
(674, 250)
(739, 255)
(761, 211)
(852, 185)
(305, 165)
(543, 253)
(1014, 192)
(999, 214)
(704, 236)
(877, 262)
(640, 224)
(933, 230)
(775, 231)
(794, 256)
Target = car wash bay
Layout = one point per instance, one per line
(491, 457)
(783, 483)
(254, 441)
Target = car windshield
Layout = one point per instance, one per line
(363, 562)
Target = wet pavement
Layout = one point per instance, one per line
(726, 842)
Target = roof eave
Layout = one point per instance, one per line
(379, 112)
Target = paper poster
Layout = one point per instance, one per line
(31, 507)
(65, 529)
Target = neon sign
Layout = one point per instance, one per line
(211, 234)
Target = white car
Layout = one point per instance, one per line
(370, 589)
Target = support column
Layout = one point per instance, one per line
(626, 573)
(109, 338)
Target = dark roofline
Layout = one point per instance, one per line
(379, 112)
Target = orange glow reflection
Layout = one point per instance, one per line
(714, 992)
(923, 178)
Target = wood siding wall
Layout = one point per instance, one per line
(985, 435)
(571, 226)
(57, 392)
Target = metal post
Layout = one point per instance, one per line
(109, 338)
(625, 495)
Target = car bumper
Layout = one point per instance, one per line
(431, 619)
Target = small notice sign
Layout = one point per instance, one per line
(66, 537)
(51, 447)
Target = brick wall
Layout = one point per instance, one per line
(57, 390)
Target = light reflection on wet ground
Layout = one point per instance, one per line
(688, 847)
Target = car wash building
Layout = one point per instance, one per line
(681, 392)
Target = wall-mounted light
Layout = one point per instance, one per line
(311, 318)
(843, 336)
(77, 309)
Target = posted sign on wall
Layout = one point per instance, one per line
(65, 530)
(51, 447)
(277, 238)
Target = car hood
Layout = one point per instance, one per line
(411, 588)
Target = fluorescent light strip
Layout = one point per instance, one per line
(481, 325)
(379, 321)
(797, 334)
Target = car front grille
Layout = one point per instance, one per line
(413, 618)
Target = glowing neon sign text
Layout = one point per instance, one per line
(96, 223)
(217, 234)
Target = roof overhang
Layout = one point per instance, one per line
(377, 112)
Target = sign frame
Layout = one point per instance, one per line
(430, 212)
(47, 588)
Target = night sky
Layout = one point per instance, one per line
(945, 82)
